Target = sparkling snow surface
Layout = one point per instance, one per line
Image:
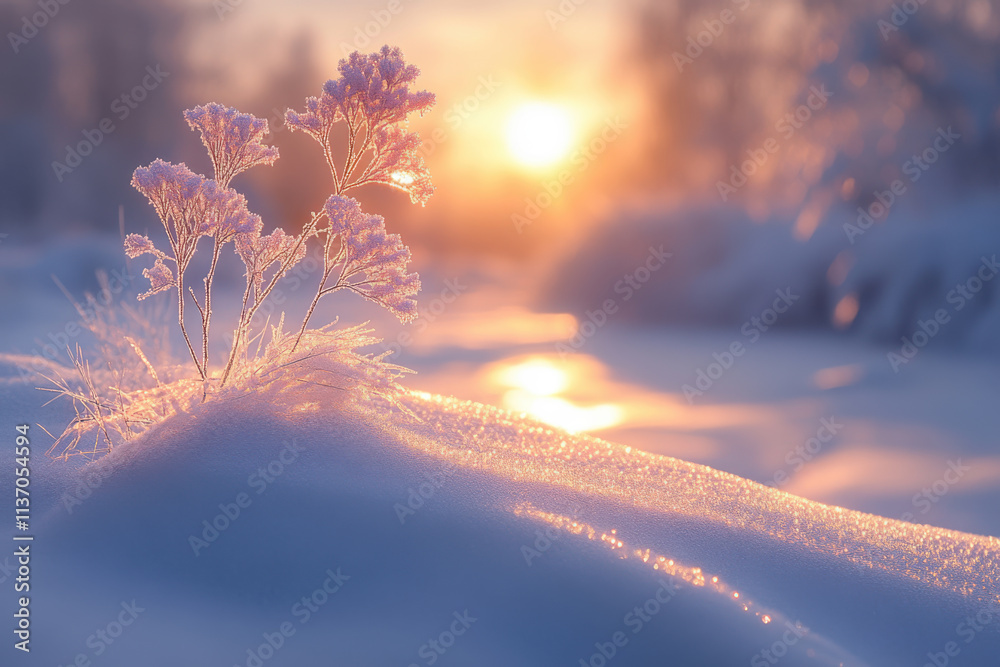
(441, 509)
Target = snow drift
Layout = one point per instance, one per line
(346, 533)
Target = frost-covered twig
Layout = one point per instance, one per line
(372, 97)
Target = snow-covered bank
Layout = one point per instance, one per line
(400, 527)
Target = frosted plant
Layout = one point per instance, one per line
(233, 139)
(369, 102)
(371, 262)
(372, 98)
(189, 206)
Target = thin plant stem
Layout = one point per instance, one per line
(206, 320)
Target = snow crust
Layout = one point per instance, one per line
(436, 507)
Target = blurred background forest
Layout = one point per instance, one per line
(687, 123)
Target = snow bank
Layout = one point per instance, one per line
(449, 531)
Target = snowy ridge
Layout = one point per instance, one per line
(951, 560)
(435, 507)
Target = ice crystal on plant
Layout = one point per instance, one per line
(137, 244)
(376, 87)
(160, 278)
(372, 98)
(226, 213)
(397, 162)
(382, 258)
(259, 253)
(233, 139)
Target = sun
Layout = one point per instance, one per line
(539, 134)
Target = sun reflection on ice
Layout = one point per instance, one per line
(533, 385)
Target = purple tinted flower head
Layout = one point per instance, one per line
(137, 244)
(165, 185)
(397, 162)
(160, 278)
(233, 139)
(259, 252)
(320, 115)
(377, 85)
(177, 195)
(226, 213)
(381, 257)
(190, 205)
(373, 96)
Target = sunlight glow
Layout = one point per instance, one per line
(535, 376)
(539, 134)
(563, 414)
(533, 384)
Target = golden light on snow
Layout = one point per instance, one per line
(539, 134)
(562, 413)
(595, 469)
(402, 177)
(537, 376)
(533, 385)
(690, 575)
